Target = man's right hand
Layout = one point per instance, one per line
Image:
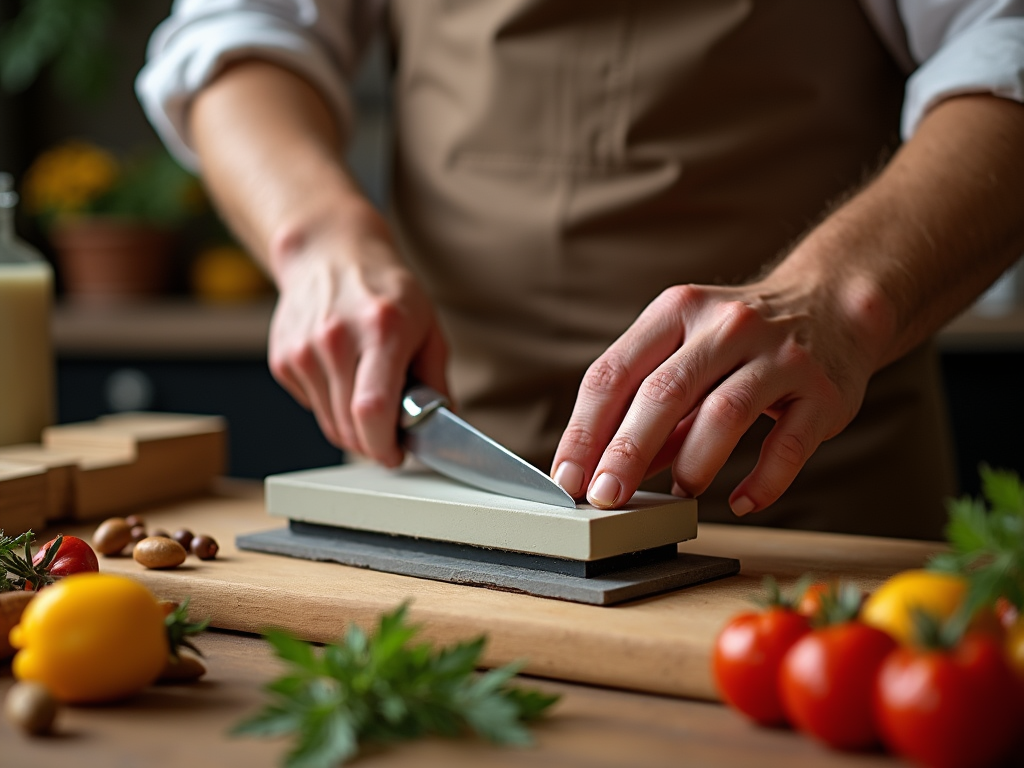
(350, 324)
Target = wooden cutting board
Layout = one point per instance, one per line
(658, 645)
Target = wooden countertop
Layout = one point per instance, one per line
(593, 726)
(186, 726)
(186, 329)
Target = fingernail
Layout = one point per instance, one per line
(742, 506)
(570, 477)
(604, 490)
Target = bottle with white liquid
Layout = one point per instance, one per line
(26, 352)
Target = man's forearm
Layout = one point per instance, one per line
(269, 152)
(942, 221)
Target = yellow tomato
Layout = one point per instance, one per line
(889, 607)
(91, 637)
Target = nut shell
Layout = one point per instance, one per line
(159, 552)
(204, 547)
(31, 707)
(184, 669)
(183, 536)
(112, 536)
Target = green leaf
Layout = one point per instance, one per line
(290, 648)
(1002, 489)
(272, 721)
(987, 543)
(383, 688)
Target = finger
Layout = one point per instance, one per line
(333, 381)
(663, 400)
(377, 391)
(608, 387)
(282, 373)
(430, 364)
(305, 369)
(722, 419)
(795, 436)
(666, 456)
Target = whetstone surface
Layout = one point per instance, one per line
(421, 503)
(681, 570)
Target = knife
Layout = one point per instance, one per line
(456, 449)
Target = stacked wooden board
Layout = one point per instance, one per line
(113, 465)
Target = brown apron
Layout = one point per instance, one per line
(558, 164)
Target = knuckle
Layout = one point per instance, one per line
(732, 408)
(301, 359)
(791, 450)
(735, 316)
(678, 298)
(329, 336)
(663, 387)
(369, 406)
(578, 437)
(381, 319)
(624, 450)
(279, 365)
(606, 376)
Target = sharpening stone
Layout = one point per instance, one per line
(398, 554)
(422, 504)
(415, 522)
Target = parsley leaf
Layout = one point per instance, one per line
(987, 542)
(384, 689)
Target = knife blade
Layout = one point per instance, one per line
(456, 449)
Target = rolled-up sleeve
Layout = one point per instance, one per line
(961, 46)
(320, 40)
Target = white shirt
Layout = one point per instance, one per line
(948, 47)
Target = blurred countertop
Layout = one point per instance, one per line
(186, 329)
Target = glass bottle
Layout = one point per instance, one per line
(26, 351)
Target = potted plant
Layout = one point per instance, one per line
(112, 222)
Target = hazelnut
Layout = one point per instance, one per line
(204, 547)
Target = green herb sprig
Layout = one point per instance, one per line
(17, 570)
(987, 543)
(10, 559)
(385, 689)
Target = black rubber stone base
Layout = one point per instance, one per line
(661, 571)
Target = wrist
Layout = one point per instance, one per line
(836, 285)
(344, 219)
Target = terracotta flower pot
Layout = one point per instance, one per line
(107, 260)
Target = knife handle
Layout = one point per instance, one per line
(418, 402)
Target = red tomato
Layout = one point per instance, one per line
(957, 708)
(827, 679)
(74, 556)
(746, 659)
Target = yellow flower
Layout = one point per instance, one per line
(67, 178)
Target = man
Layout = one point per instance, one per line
(632, 236)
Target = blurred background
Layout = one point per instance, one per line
(188, 335)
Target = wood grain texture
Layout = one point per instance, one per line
(186, 726)
(659, 645)
(127, 461)
(22, 497)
